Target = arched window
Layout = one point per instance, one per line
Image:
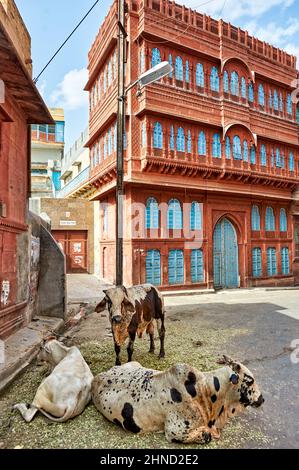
(289, 105)
(179, 69)
(283, 223)
(245, 151)
(180, 140)
(216, 147)
(270, 220)
(278, 158)
(237, 149)
(272, 158)
(285, 261)
(252, 155)
(251, 93)
(189, 142)
(174, 215)
(243, 88)
(197, 269)
(225, 82)
(275, 100)
(158, 136)
(263, 155)
(255, 219)
(187, 72)
(271, 262)
(214, 79)
(270, 100)
(291, 162)
(227, 148)
(234, 84)
(261, 95)
(257, 262)
(195, 216)
(170, 62)
(153, 267)
(152, 213)
(202, 144)
(200, 76)
(156, 56)
(143, 134)
(171, 138)
(176, 267)
(282, 161)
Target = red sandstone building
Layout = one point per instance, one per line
(211, 152)
(20, 106)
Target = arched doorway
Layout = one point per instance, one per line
(226, 256)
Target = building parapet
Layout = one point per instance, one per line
(76, 183)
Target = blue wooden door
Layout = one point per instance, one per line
(226, 259)
(176, 267)
(153, 267)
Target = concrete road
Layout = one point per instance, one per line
(271, 319)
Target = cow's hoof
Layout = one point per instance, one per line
(118, 363)
(152, 351)
(161, 355)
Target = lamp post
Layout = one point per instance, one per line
(152, 75)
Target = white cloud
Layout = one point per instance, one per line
(70, 93)
(232, 10)
(272, 32)
(42, 88)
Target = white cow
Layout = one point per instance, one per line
(65, 393)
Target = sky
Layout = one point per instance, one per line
(61, 85)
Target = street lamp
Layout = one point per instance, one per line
(154, 74)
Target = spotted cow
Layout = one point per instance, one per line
(189, 405)
(132, 311)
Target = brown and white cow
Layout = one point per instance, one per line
(188, 405)
(133, 311)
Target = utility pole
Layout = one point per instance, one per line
(120, 142)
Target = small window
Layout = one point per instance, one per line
(257, 262)
(171, 138)
(252, 155)
(285, 261)
(197, 268)
(225, 82)
(270, 220)
(214, 79)
(255, 219)
(227, 148)
(234, 84)
(291, 162)
(152, 214)
(271, 262)
(158, 136)
(251, 93)
(261, 95)
(237, 148)
(283, 223)
(195, 217)
(216, 150)
(243, 88)
(174, 215)
(200, 77)
(245, 151)
(263, 155)
(189, 142)
(153, 267)
(179, 69)
(156, 57)
(180, 140)
(176, 267)
(202, 144)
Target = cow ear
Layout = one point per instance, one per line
(129, 305)
(101, 306)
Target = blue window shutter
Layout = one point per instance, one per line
(278, 159)
(261, 95)
(270, 100)
(289, 105)
(216, 150)
(214, 79)
(272, 158)
(152, 214)
(263, 155)
(189, 142)
(202, 144)
(143, 134)
(280, 103)
(291, 162)
(234, 84)
(197, 268)
(285, 261)
(179, 69)
(187, 72)
(243, 88)
(195, 217)
(227, 148)
(156, 56)
(174, 215)
(237, 148)
(225, 82)
(158, 136)
(200, 77)
(180, 141)
(283, 221)
(252, 155)
(251, 93)
(270, 220)
(171, 143)
(176, 267)
(153, 267)
(141, 60)
(255, 219)
(276, 100)
(257, 262)
(245, 151)
(170, 62)
(271, 262)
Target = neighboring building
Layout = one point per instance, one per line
(20, 106)
(46, 155)
(211, 151)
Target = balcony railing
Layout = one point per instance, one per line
(76, 183)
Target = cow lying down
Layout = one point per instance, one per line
(65, 393)
(188, 405)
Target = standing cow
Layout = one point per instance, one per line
(133, 311)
